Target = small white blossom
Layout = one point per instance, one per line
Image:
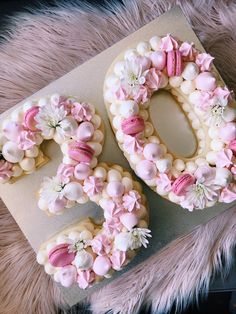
(132, 77)
(81, 242)
(132, 239)
(51, 189)
(215, 114)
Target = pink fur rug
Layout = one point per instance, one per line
(41, 47)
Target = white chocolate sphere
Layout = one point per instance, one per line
(12, 153)
(27, 164)
(190, 71)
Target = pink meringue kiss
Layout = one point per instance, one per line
(152, 151)
(12, 131)
(82, 171)
(85, 131)
(59, 255)
(158, 59)
(181, 183)
(67, 275)
(129, 220)
(29, 118)
(232, 146)
(133, 125)
(80, 152)
(146, 169)
(205, 81)
(101, 265)
(115, 189)
(228, 132)
(174, 63)
(57, 206)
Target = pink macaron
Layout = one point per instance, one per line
(80, 152)
(181, 183)
(174, 63)
(59, 256)
(29, 118)
(232, 146)
(133, 125)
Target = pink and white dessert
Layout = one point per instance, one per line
(188, 74)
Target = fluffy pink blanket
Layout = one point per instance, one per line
(40, 48)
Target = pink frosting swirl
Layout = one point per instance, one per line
(81, 112)
(101, 245)
(228, 194)
(131, 201)
(85, 278)
(93, 186)
(27, 139)
(153, 79)
(117, 259)
(168, 43)
(204, 61)
(65, 172)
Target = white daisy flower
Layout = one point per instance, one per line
(51, 190)
(132, 77)
(80, 242)
(138, 238)
(51, 119)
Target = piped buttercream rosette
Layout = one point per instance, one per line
(178, 67)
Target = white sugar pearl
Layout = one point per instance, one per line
(144, 114)
(116, 122)
(187, 87)
(70, 204)
(143, 48)
(112, 80)
(96, 147)
(201, 161)
(50, 246)
(130, 53)
(202, 144)
(33, 152)
(128, 108)
(119, 68)
(190, 71)
(217, 145)
(127, 174)
(62, 238)
(179, 164)
(27, 164)
(164, 81)
(163, 165)
(149, 129)
(42, 102)
(196, 123)
(175, 81)
(114, 108)
(135, 158)
(27, 105)
(120, 136)
(191, 116)
(194, 97)
(113, 175)
(100, 172)
(151, 182)
(42, 204)
(154, 139)
(96, 121)
(50, 270)
(213, 132)
(211, 157)
(200, 134)
(68, 161)
(175, 173)
(186, 107)
(65, 147)
(109, 96)
(17, 115)
(164, 149)
(155, 42)
(98, 136)
(73, 191)
(191, 167)
(93, 162)
(17, 171)
(128, 183)
(38, 139)
(229, 114)
(41, 257)
(12, 153)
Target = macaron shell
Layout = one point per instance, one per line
(181, 183)
(171, 63)
(133, 125)
(179, 65)
(59, 255)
